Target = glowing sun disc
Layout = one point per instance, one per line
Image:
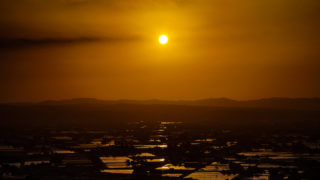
(163, 39)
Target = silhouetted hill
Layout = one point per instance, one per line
(273, 114)
(272, 103)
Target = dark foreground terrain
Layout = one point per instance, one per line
(95, 140)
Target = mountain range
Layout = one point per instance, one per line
(270, 103)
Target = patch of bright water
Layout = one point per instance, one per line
(173, 175)
(117, 171)
(150, 146)
(202, 175)
(116, 162)
(216, 166)
(172, 167)
(156, 160)
(60, 151)
(145, 155)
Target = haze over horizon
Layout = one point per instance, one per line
(108, 49)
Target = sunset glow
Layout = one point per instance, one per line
(170, 49)
(159, 89)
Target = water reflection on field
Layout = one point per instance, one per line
(204, 175)
(165, 150)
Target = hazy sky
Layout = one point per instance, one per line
(108, 49)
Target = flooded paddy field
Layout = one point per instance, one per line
(160, 150)
(158, 142)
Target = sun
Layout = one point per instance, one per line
(163, 39)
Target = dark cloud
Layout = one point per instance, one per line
(36, 42)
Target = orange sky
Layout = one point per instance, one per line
(108, 49)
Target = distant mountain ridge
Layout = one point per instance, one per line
(220, 112)
(277, 103)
